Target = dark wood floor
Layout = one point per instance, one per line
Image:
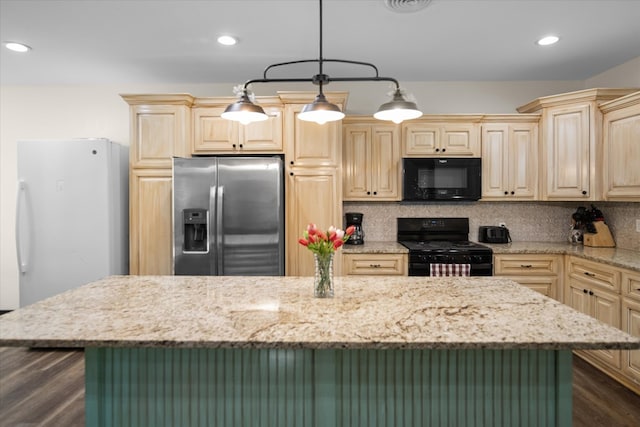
(46, 388)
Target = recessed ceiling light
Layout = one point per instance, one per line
(17, 47)
(227, 40)
(548, 40)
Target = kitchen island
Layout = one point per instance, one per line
(176, 350)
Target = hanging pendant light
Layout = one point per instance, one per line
(244, 111)
(398, 109)
(320, 110)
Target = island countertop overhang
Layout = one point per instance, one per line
(281, 312)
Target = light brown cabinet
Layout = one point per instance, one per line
(621, 148)
(160, 130)
(442, 136)
(370, 160)
(571, 143)
(214, 135)
(510, 157)
(631, 325)
(375, 264)
(542, 273)
(594, 288)
(314, 179)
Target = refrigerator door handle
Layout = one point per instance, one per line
(219, 230)
(22, 263)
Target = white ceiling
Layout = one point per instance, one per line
(165, 41)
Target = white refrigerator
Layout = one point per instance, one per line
(71, 214)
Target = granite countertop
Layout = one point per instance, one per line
(623, 258)
(280, 312)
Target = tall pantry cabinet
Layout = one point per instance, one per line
(160, 129)
(313, 182)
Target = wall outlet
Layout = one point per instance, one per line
(638, 225)
(502, 224)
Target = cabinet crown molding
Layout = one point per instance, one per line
(159, 99)
(595, 94)
(620, 103)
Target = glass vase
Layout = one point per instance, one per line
(323, 280)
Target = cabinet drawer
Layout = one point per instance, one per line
(547, 286)
(594, 274)
(375, 264)
(526, 265)
(631, 284)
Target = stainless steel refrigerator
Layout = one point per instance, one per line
(71, 214)
(228, 216)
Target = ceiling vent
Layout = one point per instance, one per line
(406, 6)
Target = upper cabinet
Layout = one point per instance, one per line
(621, 148)
(442, 136)
(370, 160)
(571, 143)
(160, 129)
(214, 135)
(510, 157)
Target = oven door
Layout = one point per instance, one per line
(419, 266)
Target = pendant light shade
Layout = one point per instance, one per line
(320, 111)
(244, 111)
(398, 109)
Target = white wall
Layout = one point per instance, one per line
(31, 112)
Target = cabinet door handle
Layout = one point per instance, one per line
(526, 265)
(374, 265)
(586, 273)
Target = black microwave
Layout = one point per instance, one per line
(440, 179)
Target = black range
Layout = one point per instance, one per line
(442, 241)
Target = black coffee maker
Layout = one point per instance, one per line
(355, 219)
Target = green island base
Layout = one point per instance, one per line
(327, 387)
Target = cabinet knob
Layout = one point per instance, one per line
(291, 173)
(437, 149)
(240, 145)
(233, 145)
(584, 192)
(291, 162)
(368, 193)
(513, 192)
(506, 193)
(444, 149)
(585, 291)
(375, 192)
(590, 292)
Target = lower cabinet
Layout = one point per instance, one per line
(611, 295)
(150, 232)
(631, 325)
(541, 273)
(375, 264)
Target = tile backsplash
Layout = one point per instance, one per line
(530, 221)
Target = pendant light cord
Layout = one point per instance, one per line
(320, 59)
